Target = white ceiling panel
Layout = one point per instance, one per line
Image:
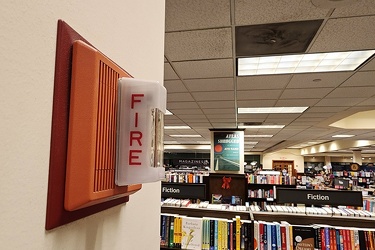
(305, 93)
(250, 103)
(204, 90)
(214, 95)
(169, 73)
(185, 112)
(336, 102)
(199, 44)
(370, 65)
(175, 86)
(352, 92)
(196, 14)
(322, 80)
(181, 105)
(366, 78)
(297, 102)
(345, 34)
(214, 105)
(215, 84)
(258, 94)
(218, 111)
(358, 8)
(180, 97)
(262, 82)
(205, 68)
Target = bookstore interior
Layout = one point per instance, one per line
(327, 206)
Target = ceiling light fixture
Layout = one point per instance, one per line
(177, 127)
(258, 136)
(302, 63)
(342, 136)
(261, 126)
(187, 136)
(269, 110)
(168, 112)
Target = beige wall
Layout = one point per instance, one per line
(284, 155)
(129, 32)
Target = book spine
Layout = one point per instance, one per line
(261, 235)
(162, 230)
(283, 237)
(171, 233)
(322, 236)
(278, 237)
(362, 241)
(238, 233)
(327, 238)
(212, 234)
(219, 235)
(255, 236)
(273, 237)
(216, 235)
(167, 230)
(231, 235)
(352, 239)
(356, 240)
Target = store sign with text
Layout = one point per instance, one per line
(319, 197)
(183, 191)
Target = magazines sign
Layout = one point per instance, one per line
(227, 150)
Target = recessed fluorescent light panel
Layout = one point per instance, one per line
(168, 112)
(177, 127)
(261, 126)
(186, 136)
(342, 136)
(269, 110)
(303, 63)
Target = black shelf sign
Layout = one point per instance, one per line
(183, 191)
(319, 197)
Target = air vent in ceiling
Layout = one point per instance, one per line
(275, 38)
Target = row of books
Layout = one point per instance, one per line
(284, 236)
(323, 211)
(369, 204)
(184, 177)
(353, 174)
(205, 233)
(271, 179)
(182, 232)
(261, 193)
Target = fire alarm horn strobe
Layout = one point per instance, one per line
(142, 105)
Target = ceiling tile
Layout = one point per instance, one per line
(314, 114)
(357, 8)
(352, 34)
(326, 109)
(196, 14)
(297, 102)
(305, 93)
(224, 125)
(368, 102)
(205, 68)
(370, 65)
(182, 105)
(218, 111)
(199, 124)
(188, 117)
(219, 116)
(215, 104)
(175, 86)
(258, 94)
(199, 44)
(318, 80)
(214, 84)
(185, 111)
(256, 103)
(339, 102)
(352, 92)
(214, 95)
(365, 78)
(181, 97)
(269, 11)
(262, 82)
(169, 73)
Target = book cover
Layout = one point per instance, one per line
(303, 237)
(191, 233)
(216, 198)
